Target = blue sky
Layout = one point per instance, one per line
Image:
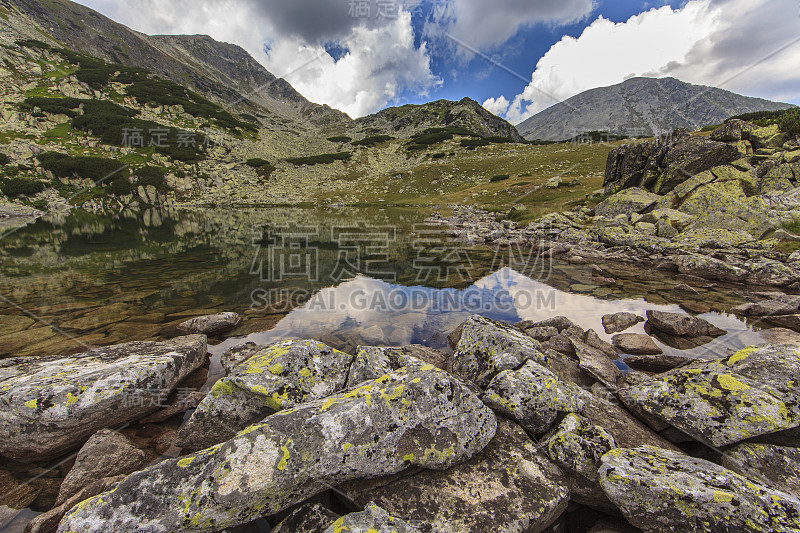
(361, 62)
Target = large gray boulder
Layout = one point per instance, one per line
(49, 405)
(733, 130)
(211, 324)
(372, 362)
(773, 466)
(488, 347)
(617, 322)
(372, 520)
(659, 491)
(576, 446)
(275, 378)
(424, 419)
(753, 392)
(626, 202)
(533, 396)
(508, 486)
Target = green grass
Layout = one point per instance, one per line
(793, 226)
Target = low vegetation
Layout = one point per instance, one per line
(373, 140)
(322, 159)
(262, 167)
(20, 186)
(499, 177)
(94, 168)
(340, 139)
(788, 120)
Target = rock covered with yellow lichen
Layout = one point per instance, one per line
(277, 377)
(424, 418)
(753, 392)
(660, 491)
(372, 520)
(49, 405)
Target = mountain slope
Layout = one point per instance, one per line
(221, 71)
(411, 119)
(641, 106)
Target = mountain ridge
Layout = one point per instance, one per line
(641, 106)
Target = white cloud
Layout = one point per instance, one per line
(498, 106)
(485, 25)
(379, 65)
(721, 43)
(381, 61)
(607, 53)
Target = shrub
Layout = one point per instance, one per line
(4, 159)
(452, 130)
(438, 155)
(428, 139)
(263, 167)
(340, 139)
(499, 140)
(20, 187)
(474, 143)
(789, 122)
(154, 176)
(323, 159)
(373, 140)
(499, 177)
(33, 43)
(120, 187)
(94, 168)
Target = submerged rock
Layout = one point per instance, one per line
(372, 520)
(487, 348)
(753, 392)
(53, 404)
(658, 490)
(211, 324)
(509, 486)
(276, 378)
(426, 419)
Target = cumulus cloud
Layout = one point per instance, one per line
(725, 43)
(381, 59)
(485, 25)
(498, 106)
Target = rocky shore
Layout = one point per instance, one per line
(712, 208)
(529, 428)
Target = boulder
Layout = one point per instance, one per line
(691, 155)
(777, 467)
(276, 378)
(733, 130)
(425, 419)
(48, 522)
(487, 348)
(371, 362)
(53, 404)
(726, 206)
(576, 447)
(107, 453)
(634, 165)
(636, 344)
(596, 363)
(657, 364)
(238, 354)
(593, 339)
(620, 322)
(748, 394)
(627, 430)
(533, 396)
(772, 308)
(785, 321)
(372, 520)
(541, 334)
(626, 202)
(309, 518)
(211, 324)
(658, 490)
(707, 267)
(682, 325)
(768, 137)
(509, 486)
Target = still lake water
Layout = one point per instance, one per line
(344, 276)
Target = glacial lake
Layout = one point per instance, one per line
(344, 276)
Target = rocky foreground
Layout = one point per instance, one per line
(509, 433)
(712, 208)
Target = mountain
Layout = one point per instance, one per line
(221, 71)
(411, 119)
(641, 106)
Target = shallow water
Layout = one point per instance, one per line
(346, 276)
